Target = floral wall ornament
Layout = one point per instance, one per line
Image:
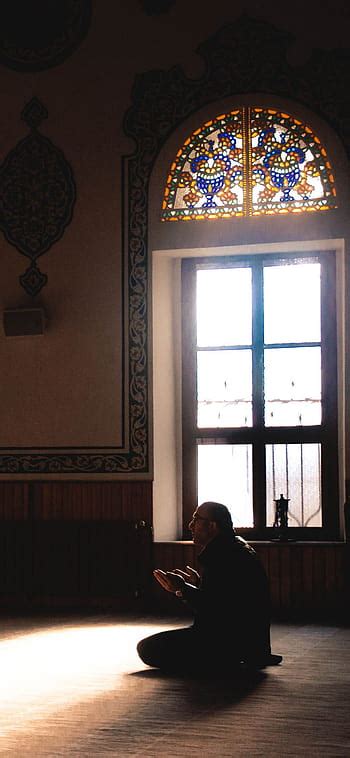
(36, 34)
(155, 7)
(37, 195)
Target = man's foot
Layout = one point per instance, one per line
(273, 660)
(261, 663)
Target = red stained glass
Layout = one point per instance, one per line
(248, 162)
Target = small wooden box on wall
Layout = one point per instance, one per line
(20, 322)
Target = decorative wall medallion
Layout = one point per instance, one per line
(37, 194)
(39, 34)
(247, 56)
(154, 7)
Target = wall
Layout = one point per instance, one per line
(71, 388)
(68, 405)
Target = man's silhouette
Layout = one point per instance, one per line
(230, 603)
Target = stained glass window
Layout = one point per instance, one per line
(249, 162)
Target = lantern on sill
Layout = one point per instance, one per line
(281, 517)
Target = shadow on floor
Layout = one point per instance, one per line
(204, 690)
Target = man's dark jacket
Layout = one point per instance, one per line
(232, 607)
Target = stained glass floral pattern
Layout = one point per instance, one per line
(249, 162)
(207, 176)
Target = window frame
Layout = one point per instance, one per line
(258, 435)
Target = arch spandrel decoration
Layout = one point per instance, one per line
(246, 56)
(249, 162)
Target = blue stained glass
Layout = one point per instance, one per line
(220, 172)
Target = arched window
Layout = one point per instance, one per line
(259, 329)
(248, 162)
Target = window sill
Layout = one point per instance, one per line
(263, 542)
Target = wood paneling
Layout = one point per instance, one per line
(92, 500)
(14, 500)
(64, 541)
(45, 563)
(72, 543)
(307, 580)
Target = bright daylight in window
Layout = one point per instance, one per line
(259, 368)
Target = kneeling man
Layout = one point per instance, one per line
(230, 603)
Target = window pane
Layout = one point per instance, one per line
(292, 311)
(225, 476)
(293, 386)
(295, 471)
(224, 386)
(224, 307)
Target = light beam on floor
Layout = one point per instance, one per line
(56, 668)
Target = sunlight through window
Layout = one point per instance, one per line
(263, 350)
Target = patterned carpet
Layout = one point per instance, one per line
(75, 687)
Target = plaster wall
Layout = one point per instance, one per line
(67, 388)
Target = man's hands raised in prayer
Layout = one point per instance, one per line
(190, 576)
(175, 581)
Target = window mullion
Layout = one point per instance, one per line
(247, 164)
(189, 392)
(330, 474)
(259, 474)
(258, 346)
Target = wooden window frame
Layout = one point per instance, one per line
(258, 435)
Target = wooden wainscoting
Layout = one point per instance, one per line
(75, 543)
(307, 580)
(68, 544)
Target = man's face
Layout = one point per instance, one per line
(201, 526)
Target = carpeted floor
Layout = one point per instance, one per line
(75, 687)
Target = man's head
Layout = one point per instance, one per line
(209, 520)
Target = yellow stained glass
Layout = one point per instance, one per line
(248, 162)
